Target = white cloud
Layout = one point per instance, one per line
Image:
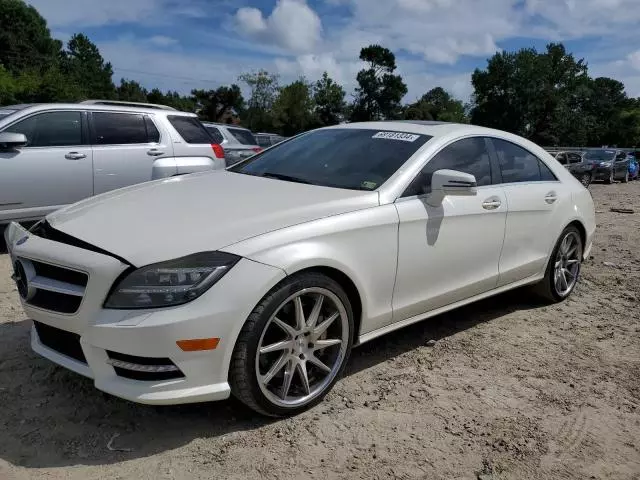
(634, 59)
(292, 25)
(163, 41)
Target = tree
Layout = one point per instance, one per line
(293, 109)
(264, 91)
(131, 91)
(379, 91)
(437, 104)
(171, 99)
(84, 66)
(541, 96)
(25, 40)
(213, 105)
(8, 87)
(329, 100)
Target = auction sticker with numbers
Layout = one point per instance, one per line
(404, 137)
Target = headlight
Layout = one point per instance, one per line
(605, 164)
(171, 283)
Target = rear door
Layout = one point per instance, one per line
(621, 165)
(126, 147)
(52, 170)
(535, 200)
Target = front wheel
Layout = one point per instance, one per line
(611, 178)
(563, 268)
(293, 346)
(585, 179)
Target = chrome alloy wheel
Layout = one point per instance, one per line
(302, 347)
(567, 266)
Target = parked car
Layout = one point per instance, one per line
(576, 164)
(611, 164)
(320, 243)
(238, 143)
(634, 167)
(52, 155)
(265, 140)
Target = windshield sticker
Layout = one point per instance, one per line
(369, 185)
(404, 137)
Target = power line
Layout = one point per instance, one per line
(163, 75)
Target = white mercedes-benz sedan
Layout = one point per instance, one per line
(257, 281)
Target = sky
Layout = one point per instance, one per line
(186, 44)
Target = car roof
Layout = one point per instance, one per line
(424, 127)
(105, 108)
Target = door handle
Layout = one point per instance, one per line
(491, 204)
(75, 156)
(154, 152)
(550, 198)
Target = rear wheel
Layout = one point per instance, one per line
(293, 346)
(563, 268)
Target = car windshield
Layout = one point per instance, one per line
(243, 136)
(600, 155)
(350, 158)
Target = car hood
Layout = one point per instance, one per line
(171, 218)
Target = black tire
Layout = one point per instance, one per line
(546, 289)
(626, 177)
(585, 179)
(611, 178)
(242, 370)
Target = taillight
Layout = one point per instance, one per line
(257, 149)
(218, 150)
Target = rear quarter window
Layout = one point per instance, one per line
(190, 129)
(243, 136)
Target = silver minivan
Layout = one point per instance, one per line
(52, 155)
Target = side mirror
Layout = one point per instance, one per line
(451, 182)
(9, 141)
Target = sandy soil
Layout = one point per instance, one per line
(511, 389)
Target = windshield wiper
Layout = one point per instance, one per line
(288, 178)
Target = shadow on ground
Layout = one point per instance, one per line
(51, 417)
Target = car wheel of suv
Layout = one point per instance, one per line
(563, 269)
(626, 178)
(611, 178)
(585, 179)
(293, 346)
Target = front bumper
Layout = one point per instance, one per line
(219, 312)
(602, 173)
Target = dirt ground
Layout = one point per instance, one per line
(512, 389)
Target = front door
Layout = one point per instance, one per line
(126, 147)
(450, 252)
(54, 168)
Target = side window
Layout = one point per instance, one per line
(51, 129)
(575, 158)
(621, 157)
(119, 128)
(469, 155)
(153, 135)
(215, 133)
(519, 165)
(190, 129)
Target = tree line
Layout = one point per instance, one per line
(548, 97)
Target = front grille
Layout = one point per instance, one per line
(139, 368)
(66, 343)
(50, 287)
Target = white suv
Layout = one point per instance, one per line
(53, 155)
